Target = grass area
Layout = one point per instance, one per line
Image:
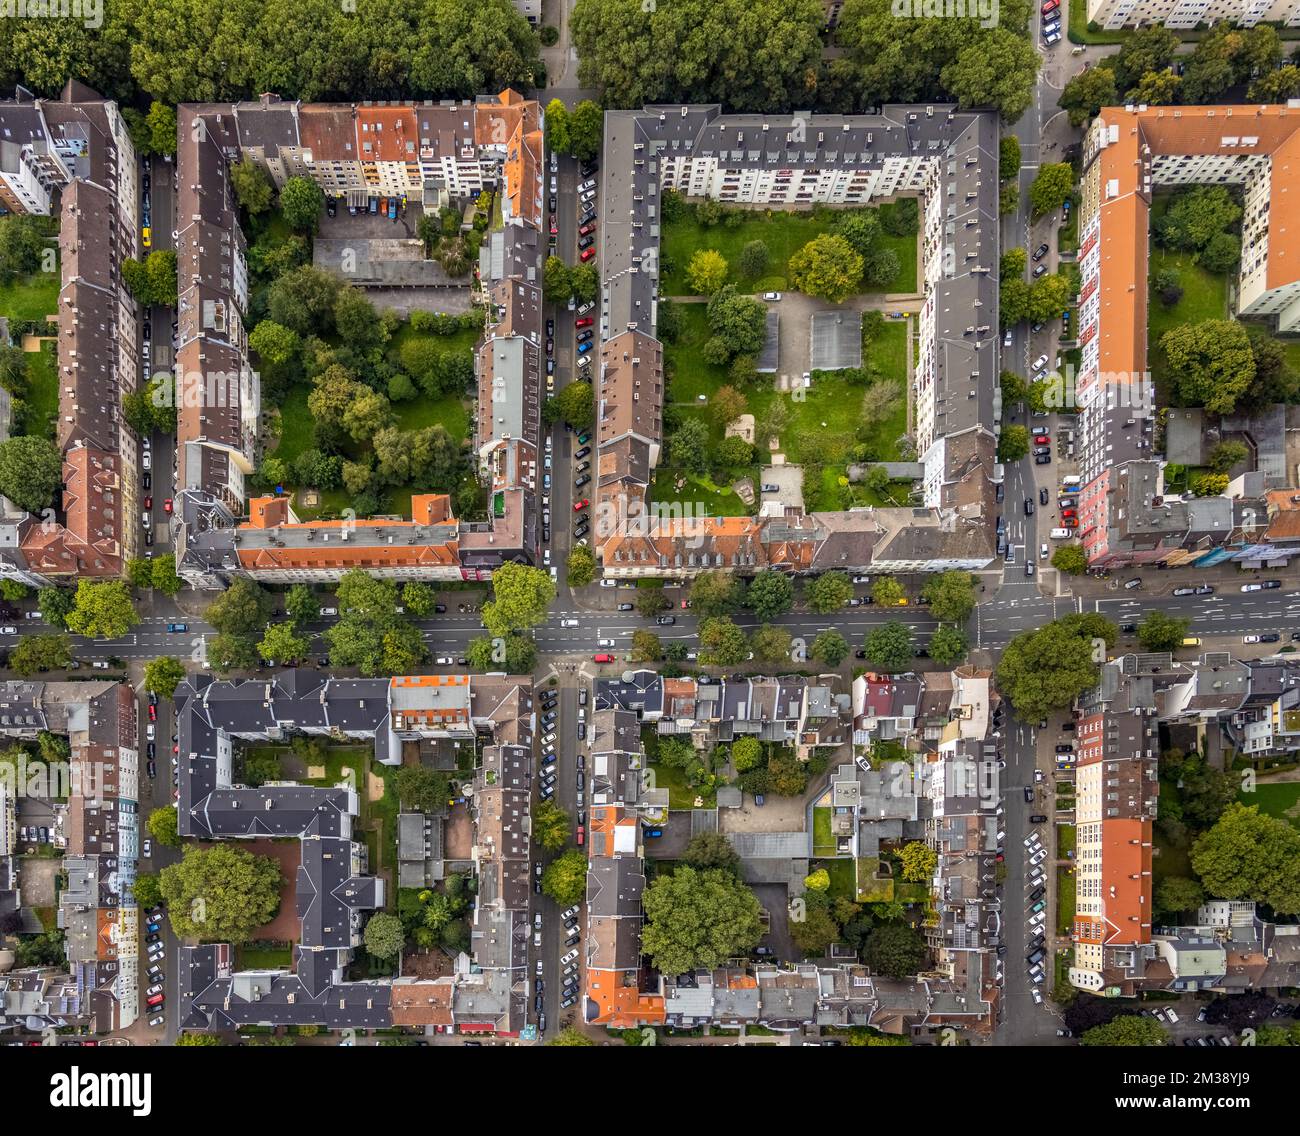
(1280, 799)
(843, 877)
(1067, 236)
(43, 392)
(264, 958)
(870, 887)
(1065, 896)
(820, 430)
(823, 841)
(32, 298)
(1205, 296)
(680, 794)
(783, 233)
(1066, 840)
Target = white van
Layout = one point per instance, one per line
(1060, 534)
(1071, 480)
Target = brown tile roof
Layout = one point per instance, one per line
(387, 134)
(329, 131)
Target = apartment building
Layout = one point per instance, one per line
(72, 157)
(945, 157)
(335, 888)
(1125, 516)
(101, 830)
(1190, 14)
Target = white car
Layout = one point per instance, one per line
(1041, 361)
(1031, 840)
(572, 956)
(568, 623)
(609, 583)
(1039, 856)
(8, 631)
(1252, 587)
(605, 643)
(445, 661)
(548, 738)
(157, 1020)
(150, 732)
(569, 912)
(1250, 638)
(329, 611)
(772, 297)
(1037, 996)
(147, 848)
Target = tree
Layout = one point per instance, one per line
(1046, 669)
(829, 592)
(252, 185)
(301, 202)
(1161, 632)
(889, 646)
(1210, 484)
(576, 405)
(734, 451)
(557, 126)
(1087, 93)
(556, 283)
(147, 891)
(951, 596)
(770, 644)
(753, 260)
(919, 861)
(300, 605)
(1195, 216)
(565, 878)
(816, 931)
(1220, 254)
(232, 653)
(754, 55)
(581, 567)
(384, 935)
(419, 599)
(651, 602)
(202, 1040)
(689, 445)
(646, 646)
(948, 646)
(1008, 157)
(698, 919)
(998, 71)
(1227, 454)
(284, 645)
(712, 850)
(1070, 559)
(1249, 855)
(887, 592)
(356, 320)
(421, 789)
(1167, 283)
(827, 266)
(707, 272)
(1013, 443)
(221, 894)
(1177, 895)
(40, 653)
(1156, 88)
(163, 675)
(303, 300)
(746, 754)
(722, 643)
(550, 826)
(163, 576)
(102, 610)
(726, 405)
(55, 605)
(243, 608)
(162, 826)
(520, 597)
(1052, 185)
(1147, 49)
(31, 471)
(1276, 86)
(895, 951)
(1125, 1030)
(717, 592)
(569, 1035)
(515, 654)
(586, 125)
(771, 594)
(829, 647)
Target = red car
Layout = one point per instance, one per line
(587, 254)
(153, 713)
(554, 227)
(148, 502)
(587, 229)
(578, 506)
(1068, 513)
(602, 658)
(167, 505)
(580, 835)
(586, 321)
(1042, 440)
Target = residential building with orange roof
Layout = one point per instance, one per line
(1128, 154)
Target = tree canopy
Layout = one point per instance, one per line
(1046, 669)
(1250, 855)
(698, 918)
(221, 894)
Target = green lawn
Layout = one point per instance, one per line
(1205, 296)
(1065, 895)
(1280, 799)
(263, 958)
(33, 298)
(783, 233)
(870, 888)
(1066, 836)
(843, 876)
(680, 794)
(823, 840)
(43, 392)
